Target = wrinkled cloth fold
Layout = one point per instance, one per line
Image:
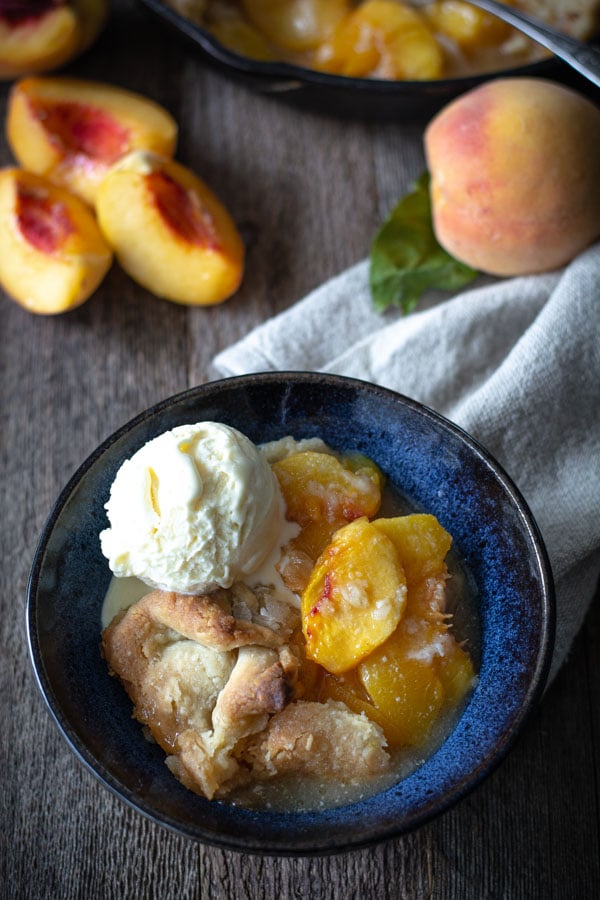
(515, 362)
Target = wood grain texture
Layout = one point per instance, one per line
(308, 192)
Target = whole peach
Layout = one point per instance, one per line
(515, 175)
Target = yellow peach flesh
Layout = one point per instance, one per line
(323, 493)
(52, 253)
(400, 670)
(420, 668)
(421, 542)
(296, 25)
(72, 131)
(385, 39)
(354, 598)
(49, 36)
(169, 231)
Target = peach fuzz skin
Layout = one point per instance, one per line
(515, 169)
(52, 253)
(169, 231)
(73, 131)
(41, 36)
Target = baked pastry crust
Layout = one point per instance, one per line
(326, 740)
(217, 691)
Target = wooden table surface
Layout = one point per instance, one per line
(308, 191)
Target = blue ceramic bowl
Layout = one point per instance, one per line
(440, 468)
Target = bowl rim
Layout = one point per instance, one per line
(287, 848)
(287, 76)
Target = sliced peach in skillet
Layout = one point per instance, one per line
(73, 131)
(298, 24)
(382, 38)
(169, 231)
(52, 253)
(469, 27)
(241, 37)
(39, 35)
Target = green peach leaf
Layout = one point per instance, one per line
(406, 258)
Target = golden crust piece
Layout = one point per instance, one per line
(257, 688)
(208, 620)
(215, 693)
(324, 740)
(199, 678)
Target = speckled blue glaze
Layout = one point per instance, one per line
(439, 468)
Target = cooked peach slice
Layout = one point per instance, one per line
(407, 693)
(323, 493)
(385, 39)
(354, 598)
(298, 24)
(242, 37)
(418, 671)
(169, 231)
(421, 542)
(420, 668)
(468, 26)
(455, 671)
(73, 131)
(412, 676)
(39, 35)
(52, 253)
(347, 688)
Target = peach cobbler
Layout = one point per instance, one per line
(323, 674)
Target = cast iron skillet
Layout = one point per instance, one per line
(356, 97)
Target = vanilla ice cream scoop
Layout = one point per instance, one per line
(194, 509)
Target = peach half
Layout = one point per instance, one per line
(39, 35)
(169, 232)
(515, 175)
(73, 131)
(53, 256)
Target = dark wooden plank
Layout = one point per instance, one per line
(308, 191)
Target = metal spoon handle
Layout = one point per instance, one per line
(584, 59)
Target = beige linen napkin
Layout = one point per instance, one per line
(516, 363)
